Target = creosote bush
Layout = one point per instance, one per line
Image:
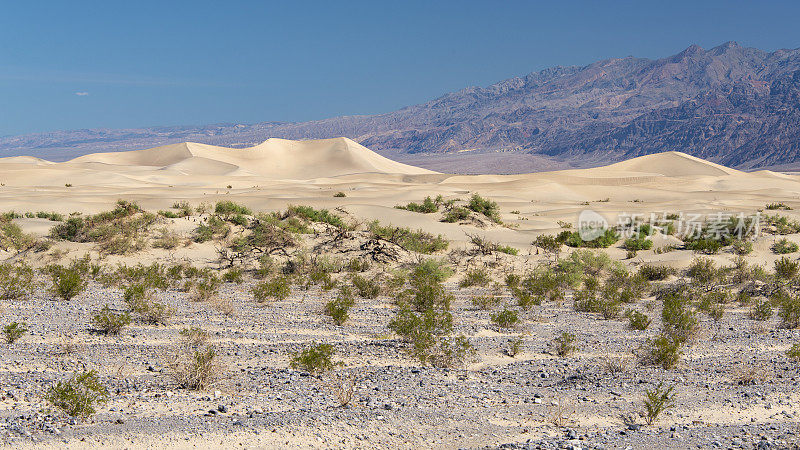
(274, 289)
(315, 359)
(16, 281)
(414, 241)
(79, 395)
(366, 288)
(637, 320)
(13, 331)
(794, 352)
(564, 344)
(657, 401)
(784, 246)
(338, 308)
(475, 277)
(67, 282)
(484, 206)
(506, 318)
(110, 322)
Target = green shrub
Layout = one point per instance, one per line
(168, 214)
(78, 396)
(776, 205)
(506, 318)
(340, 194)
(455, 214)
(228, 208)
(316, 215)
(637, 320)
(794, 352)
(656, 273)
(16, 281)
(508, 250)
(657, 401)
(315, 359)
(789, 311)
(14, 331)
(475, 277)
(206, 287)
(339, 307)
(664, 351)
(484, 206)
(275, 289)
(637, 243)
(708, 246)
(761, 310)
(678, 317)
(366, 288)
(12, 238)
(109, 322)
(741, 247)
(564, 344)
(605, 240)
(213, 228)
(549, 243)
(67, 282)
(785, 268)
(414, 241)
(485, 301)
(703, 271)
(428, 206)
(233, 275)
(184, 208)
(784, 246)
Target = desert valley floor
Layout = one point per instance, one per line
(734, 384)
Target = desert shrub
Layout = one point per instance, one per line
(513, 347)
(152, 276)
(206, 287)
(428, 206)
(785, 268)
(110, 322)
(426, 335)
(167, 239)
(315, 359)
(16, 281)
(340, 194)
(266, 236)
(678, 317)
(194, 336)
(506, 318)
(761, 310)
(455, 214)
(782, 224)
(475, 277)
(184, 208)
(564, 344)
(657, 401)
(13, 238)
(452, 351)
(703, 271)
(67, 282)
(485, 301)
(168, 214)
(513, 280)
(549, 243)
(708, 246)
(153, 312)
(233, 275)
(794, 352)
(414, 241)
(784, 246)
(274, 289)
(484, 206)
(213, 228)
(508, 250)
(339, 307)
(317, 215)
(656, 273)
(229, 209)
(366, 288)
(637, 320)
(195, 367)
(51, 216)
(777, 205)
(79, 395)
(638, 242)
(789, 310)
(118, 231)
(663, 351)
(426, 291)
(13, 331)
(605, 240)
(741, 247)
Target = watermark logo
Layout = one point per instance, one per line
(591, 225)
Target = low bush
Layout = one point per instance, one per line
(340, 194)
(564, 344)
(67, 282)
(484, 206)
(79, 395)
(741, 247)
(274, 289)
(506, 318)
(366, 288)
(16, 281)
(785, 268)
(663, 351)
(637, 320)
(229, 209)
(761, 310)
(428, 206)
(657, 401)
(167, 239)
(195, 367)
(316, 215)
(485, 301)
(475, 277)
(414, 241)
(315, 359)
(233, 275)
(789, 310)
(656, 273)
(605, 240)
(455, 214)
(110, 322)
(13, 331)
(678, 317)
(339, 307)
(206, 287)
(794, 352)
(777, 205)
(784, 246)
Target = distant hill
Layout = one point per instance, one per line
(733, 105)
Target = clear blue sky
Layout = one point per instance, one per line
(81, 64)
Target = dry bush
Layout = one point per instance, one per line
(195, 367)
(746, 375)
(614, 365)
(167, 239)
(224, 306)
(559, 414)
(342, 386)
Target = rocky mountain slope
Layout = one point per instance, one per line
(730, 104)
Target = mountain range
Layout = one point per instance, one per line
(733, 105)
